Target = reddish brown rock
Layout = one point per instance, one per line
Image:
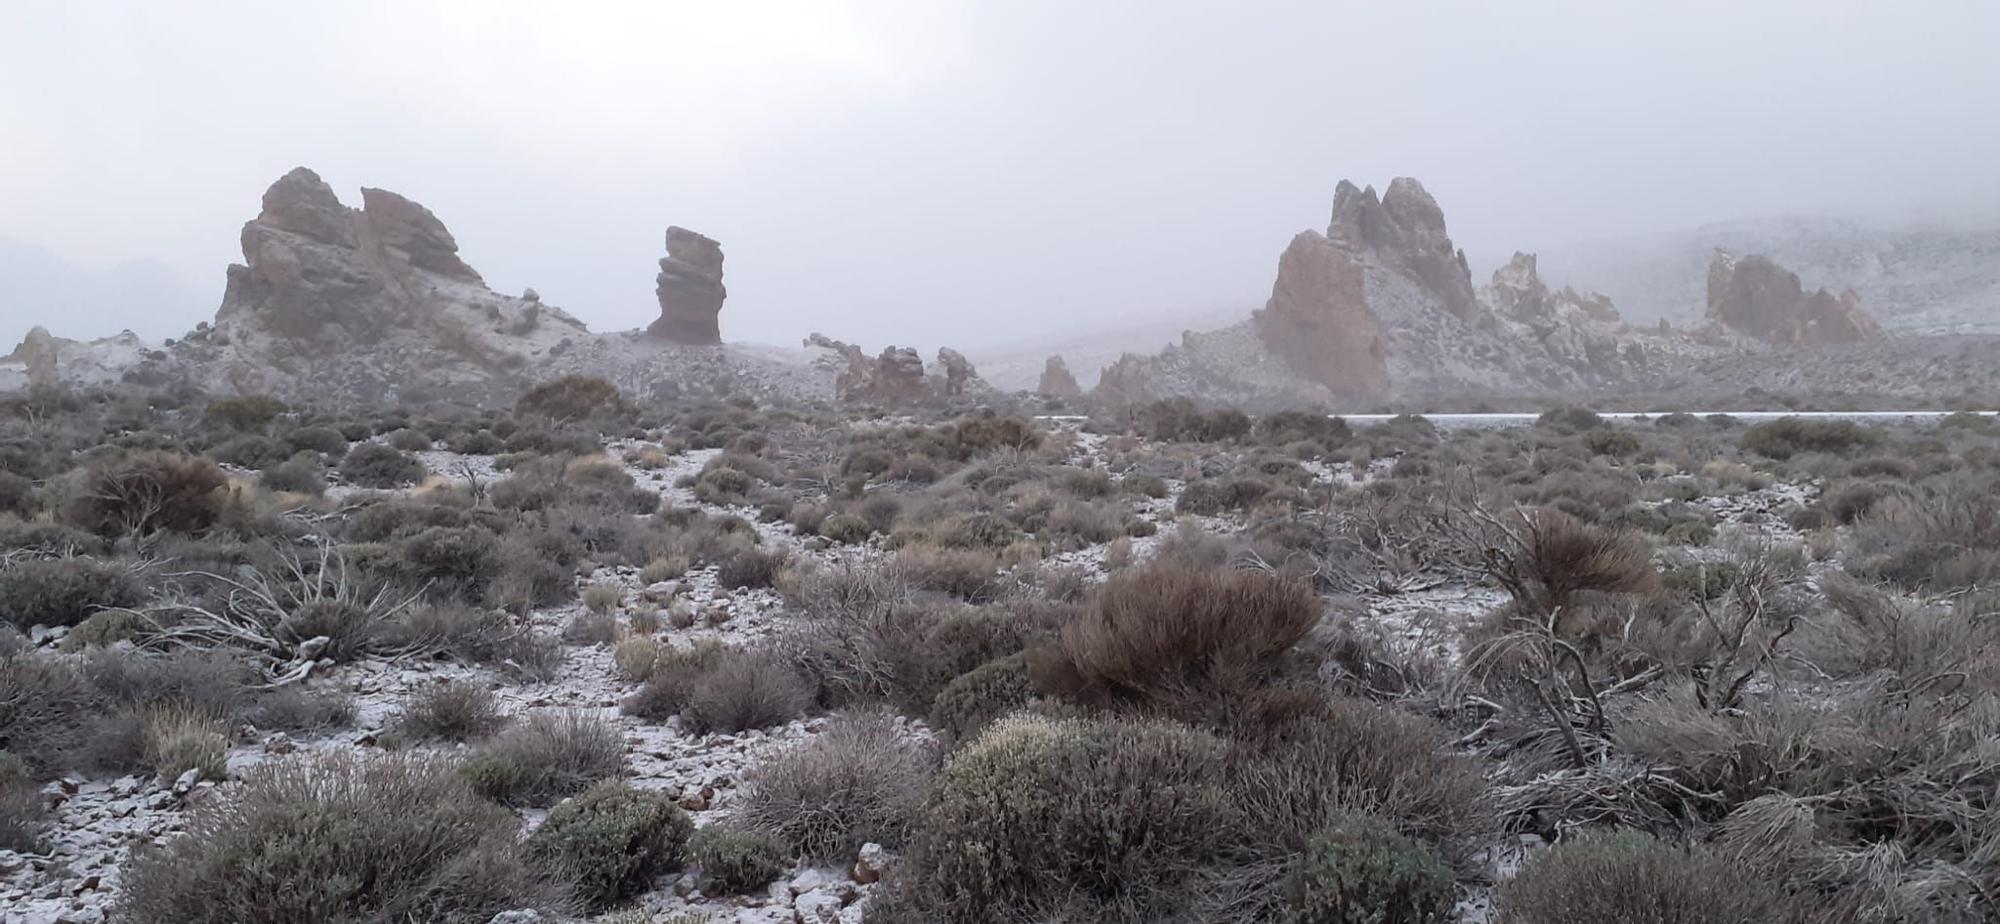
(1318, 320)
(1755, 296)
(409, 232)
(1057, 380)
(690, 290)
(897, 375)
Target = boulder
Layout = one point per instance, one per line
(411, 234)
(1753, 295)
(690, 290)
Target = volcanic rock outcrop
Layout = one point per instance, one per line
(1057, 381)
(1382, 304)
(690, 289)
(1754, 295)
(38, 355)
(1318, 320)
(897, 375)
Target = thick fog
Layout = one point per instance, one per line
(970, 174)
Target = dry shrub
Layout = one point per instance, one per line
(1303, 760)
(44, 705)
(670, 682)
(23, 811)
(1628, 877)
(147, 492)
(63, 591)
(745, 689)
(1169, 639)
(339, 837)
(457, 711)
(590, 628)
(1786, 437)
(1556, 556)
(858, 781)
(968, 574)
(475, 636)
(634, 657)
(733, 862)
(547, 756)
(603, 598)
(571, 398)
(179, 739)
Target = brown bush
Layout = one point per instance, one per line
(1171, 638)
(571, 398)
(1628, 877)
(1559, 556)
(741, 690)
(147, 492)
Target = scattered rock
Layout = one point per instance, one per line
(870, 864)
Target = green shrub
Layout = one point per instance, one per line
(373, 465)
(733, 862)
(301, 474)
(1102, 819)
(147, 492)
(1361, 870)
(1629, 877)
(323, 440)
(338, 837)
(611, 840)
(249, 451)
(981, 697)
(63, 591)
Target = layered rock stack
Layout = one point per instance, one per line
(1754, 295)
(690, 290)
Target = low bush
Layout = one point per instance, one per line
(339, 837)
(63, 591)
(1361, 870)
(858, 781)
(476, 636)
(745, 689)
(457, 711)
(179, 739)
(611, 840)
(373, 465)
(248, 414)
(980, 697)
(44, 706)
(249, 451)
(23, 811)
(846, 528)
(733, 862)
(1561, 556)
(301, 474)
(547, 756)
(571, 398)
(1788, 436)
(1072, 819)
(1629, 877)
(749, 568)
(324, 440)
(1176, 640)
(147, 492)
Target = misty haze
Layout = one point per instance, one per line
(948, 463)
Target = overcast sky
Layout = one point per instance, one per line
(931, 172)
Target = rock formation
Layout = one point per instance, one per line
(1318, 320)
(1382, 304)
(1057, 380)
(1404, 230)
(690, 289)
(1754, 295)
(38, 355)
(897, 375)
